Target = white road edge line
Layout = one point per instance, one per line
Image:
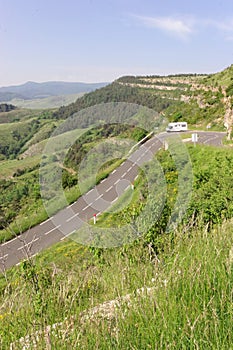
(114, 200)
(13, 239)
(117, 182)
(44, 222)
(124, 174)
(114, 171)
(85, 207)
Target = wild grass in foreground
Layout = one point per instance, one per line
(188, 306)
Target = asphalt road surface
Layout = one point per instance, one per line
(70, 219)
(210, 138)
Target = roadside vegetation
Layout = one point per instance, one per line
(212, 194)
(179, 296)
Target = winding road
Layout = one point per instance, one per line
(97, 200)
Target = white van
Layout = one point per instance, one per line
(179, 126)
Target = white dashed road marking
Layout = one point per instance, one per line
(53, 229)
(72, 217)
(27, 244)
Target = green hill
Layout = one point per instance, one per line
(178, 296)
(223, 78)
(115, 92)
(199, 99)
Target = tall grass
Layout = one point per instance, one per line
(188, 304)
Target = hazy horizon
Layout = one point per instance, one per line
(91, 42)
(53, 81)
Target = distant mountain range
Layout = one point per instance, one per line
(32, 90)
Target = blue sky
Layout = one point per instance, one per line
(100, 40)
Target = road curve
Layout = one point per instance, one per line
(210, 138)
(101, 197)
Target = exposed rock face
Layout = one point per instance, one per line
(228, 117)
(191, 89)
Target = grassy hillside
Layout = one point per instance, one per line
(178, 297)
(16, 115)
(15, 136)
(223, 78)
